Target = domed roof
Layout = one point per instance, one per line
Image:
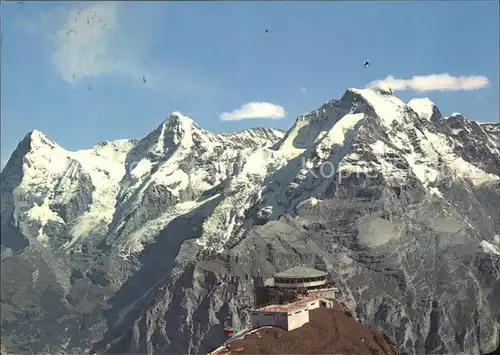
(300, 272)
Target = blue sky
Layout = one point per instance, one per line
(81, 82)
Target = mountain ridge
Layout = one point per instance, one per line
(130, 235)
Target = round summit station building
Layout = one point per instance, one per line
(300, 277)
(292, 285)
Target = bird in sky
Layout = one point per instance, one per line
(366, 64)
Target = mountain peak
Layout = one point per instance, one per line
(38, 140)
(177, 122)
(179, 118)
(35, 134)
(385, 103)
(424, 107)
(175, 129)
(378, 91)
(382, 90)
(421, 101)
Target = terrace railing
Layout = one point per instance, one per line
(285, 307)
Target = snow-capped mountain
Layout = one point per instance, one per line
(148, 245)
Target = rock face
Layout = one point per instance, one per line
(147, 246)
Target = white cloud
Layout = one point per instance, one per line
(103, 39)
(84, 43)
(255, 110)
(433, 82)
